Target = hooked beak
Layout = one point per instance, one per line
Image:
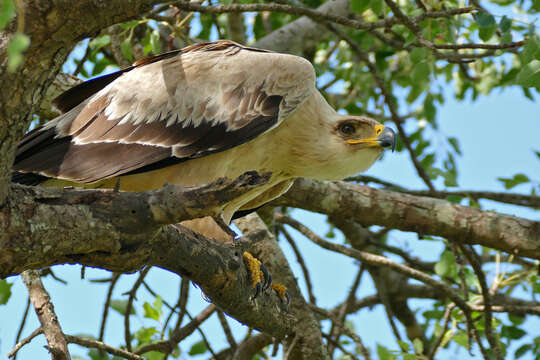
(386, 139)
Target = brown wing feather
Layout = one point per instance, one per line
(171, 108)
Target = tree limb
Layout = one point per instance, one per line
(425, 216)
(41, 300)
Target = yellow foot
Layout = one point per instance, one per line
(261, 279)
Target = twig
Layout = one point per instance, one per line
(227, 329)
(82, 60)
(114, 280)
(166, 346)
(182, 301)
(344, 308)
(473, 259)
(316, 15)
(129, 306)
(23, 342)
(375, 260)
(445, 321)
(301, 262)
(336, 344)
(47, 317)
(363, 350)
(250, 346)
(90, 343)
(23, 322)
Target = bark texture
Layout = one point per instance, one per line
(423, 215)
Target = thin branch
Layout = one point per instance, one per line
(182, 301)
(167, 346)
(374, 260)
(114, 280)
(345, 306)
(129, 306)
(473, 259)
(95, 344)
(358, 341)
(23, 322)
(26, 340)
(41, 300)
(227, 329)
(316, 15)
(301, 262)
(445, 321)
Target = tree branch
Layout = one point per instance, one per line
(423, 215)
(41, 300)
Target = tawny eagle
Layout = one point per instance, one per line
(191, 116)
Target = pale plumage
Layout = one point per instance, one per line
(192, 116)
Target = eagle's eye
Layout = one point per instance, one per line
(347, 129)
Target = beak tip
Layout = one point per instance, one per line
(388, 138)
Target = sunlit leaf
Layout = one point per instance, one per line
(517, 179)
(198, 348)
(359, 6)
(7, 12)
(121, 306)
(17, 45)
(5, 291)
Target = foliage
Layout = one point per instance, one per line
(400, 76)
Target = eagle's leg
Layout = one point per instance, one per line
(261, 279)
(226, 229)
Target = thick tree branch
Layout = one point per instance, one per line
(423, 215)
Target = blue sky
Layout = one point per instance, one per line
(498, 135)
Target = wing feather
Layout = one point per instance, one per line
(171, 108)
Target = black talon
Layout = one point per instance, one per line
(258, 289)
(267, 277)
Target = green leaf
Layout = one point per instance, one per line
(486, 33)
(529, 76)
(418, 54)
(17, 45)
(121, 306)
(455, 144)
(129, 24)
(421, 71)
(509, 183)
(505, 24)
(531, 50)
(154, 355)
(145, 334)
(99, 42)
(377, 6)
(154, 312)
(5, 291)
(446, 266)
(359, 6)
(513, 332)
(7, 12)
(198, 348)
(126, 49)
(155, 41)
(522, 350)
(404, 345)
(384, 353)
(485, 19)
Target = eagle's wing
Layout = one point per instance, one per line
(203, 99)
